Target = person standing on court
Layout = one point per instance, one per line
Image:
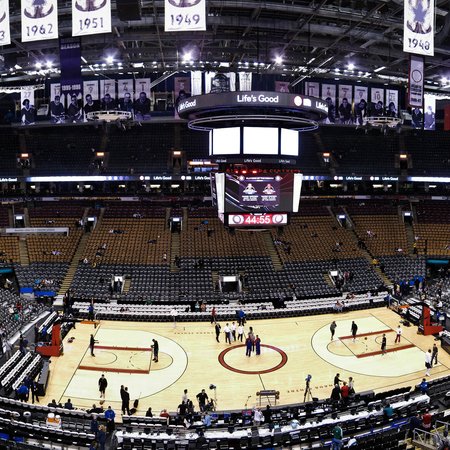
(217, 328)
(251, 335)
(227, 332)
(233, 331)
(383, 344)
(333, 329)
(92, 343)
(248, 346)
(202, 397)
(399, 334)
(102, 385)
(428, 362)
(434, 355)
(155, 348)
(213, 315)
(354, 330)
(240, 332)
(258, 345)
(125, 401)
(336, 380)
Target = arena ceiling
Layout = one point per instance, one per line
(313, 38)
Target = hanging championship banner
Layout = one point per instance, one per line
(70, 61)
(361, 93)
(107, 87)
(418, 27)
(312, 88)
(91, 88)
(245, 81)
(142, 85)
(392, 102)
(182, 90)
(329, 95)
(429, 118)
(124, 87)
(281, 86)
(39, 20)
(415, 82)
(91, 17)
(5, 35)
(27, 93)
(55, 90)
(185, 15)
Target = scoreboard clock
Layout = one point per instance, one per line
(257, 220)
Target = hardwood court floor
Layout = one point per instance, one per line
(190, 358)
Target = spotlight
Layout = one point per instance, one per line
(278, 60)
(38, 66)
(49, 64)
(350, 66)
(109, 59)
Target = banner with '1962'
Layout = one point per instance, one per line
(39, 20)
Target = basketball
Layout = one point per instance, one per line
(365, 338)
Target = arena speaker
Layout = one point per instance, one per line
(129, 9)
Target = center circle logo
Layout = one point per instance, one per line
(278, 366)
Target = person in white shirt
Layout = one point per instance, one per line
(240, 332)
(428, 362)
(399, 334)
(233, 330)
(184, 397)
(227, 332)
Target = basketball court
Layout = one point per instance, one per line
(190, 358)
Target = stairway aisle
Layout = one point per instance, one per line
(175, 249)
(274, 256)
(23, 252)
(74, 264)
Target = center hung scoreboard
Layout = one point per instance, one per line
(256, 199)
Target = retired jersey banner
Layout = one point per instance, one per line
(91, 17)
(142, 85)
(91, 88)
(5, 35)
(418, 27)
(125, 87)
(415, 83)
(329, 95)
(392, 102)
(185, 15)
(282, 86)
(70, 61)
(39, 20)
(27, 93)
(55, 90)
(361, 93)
(182, 90)
(107, 87)
(312, 89)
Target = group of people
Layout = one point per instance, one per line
(342, 393)
(346, 114)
